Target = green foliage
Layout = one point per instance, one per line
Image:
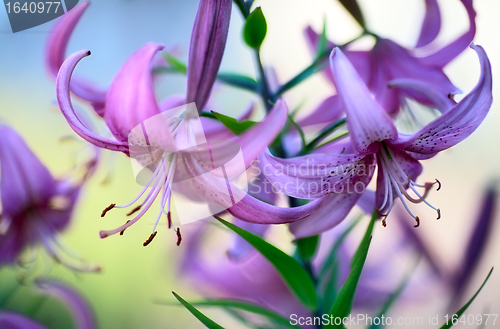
(255, 29)
(353, 8)
(232, 124)
(200, 316)
(307, 247)
(293, 273)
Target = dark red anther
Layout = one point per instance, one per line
(439, 185)
(135, 210)
(439, 213)
(122, 231)
(384, 223)
(169, 218)
(151, 237)
(108, 208)
(179, 236)
(418, 222)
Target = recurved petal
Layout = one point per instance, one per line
(426, 90)
(448, 53)
(131, 97)
(333, 211)
(13, 320)
(431, 24)
(79, 307)
(55, 55)
(208, 41)
(64, 100)
(315, 175)
(25, 182)
(459, 122)
(367, 121)
(331, 109)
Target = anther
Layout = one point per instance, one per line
(108, 208)
(384, 223)
(439, 213)
(136, 209)
(122, 231)
(439, 185)
(151, 237)
(169, 218)
(179, 236)
(418, 222)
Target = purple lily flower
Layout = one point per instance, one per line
(388, 61)
(79, 307)
(131, 102)
(375, 139)
(35, 205)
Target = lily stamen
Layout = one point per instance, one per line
(148, 241)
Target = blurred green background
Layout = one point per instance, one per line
(133, 276)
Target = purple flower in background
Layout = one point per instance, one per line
(375, 139)
(388, 61)
(83, 315)
(35, 205)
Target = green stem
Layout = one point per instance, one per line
(242, 6)
(265, 94)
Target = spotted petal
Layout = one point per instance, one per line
(367, 121)
(459, 122)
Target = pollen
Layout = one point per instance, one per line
(108, 208)
(151, 237)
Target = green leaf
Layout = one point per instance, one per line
(325, 132)
(359, 253)
(232, 124)
(299, 129)
(175, 64)
(245, 306)
(200, 316)
(307, 247)
(239, 81)
(290, 269)
(462, 310)
(345, 299)
(255, 29)
(353, 8)
(323, 41)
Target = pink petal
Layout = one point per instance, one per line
(459, 122)
(13, 320)
(331, 109)
(367, 121)
(64, 100)
(55, 55)
(208, 41)
(431, 24)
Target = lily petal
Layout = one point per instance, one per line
(315, 175)
(13, 320)
(131, 97)
(448, 53)
(64, 100)
(366, 119)
(25, 182)
(333, 211)
(55, 55)
(426, 90)
(458, 123)
(431, 24)
(331, 109)
(208, 41)
(80, 309)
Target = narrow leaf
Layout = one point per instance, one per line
(290, 269)
(366, 237)
(200, 316)
(232, 124)
(245, 306)
(353, 9)
(307, 247)
(255, 29)
(239, 81)
(175, 64)
(343, 304)
(462, 310)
